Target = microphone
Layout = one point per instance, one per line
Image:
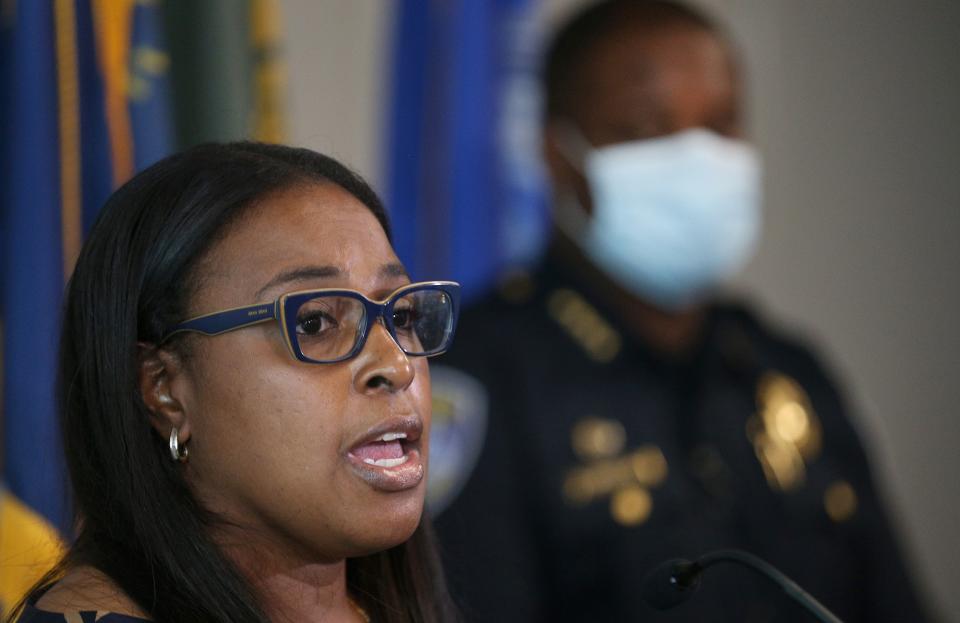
(674, 581)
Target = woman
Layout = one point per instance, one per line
(246, 401)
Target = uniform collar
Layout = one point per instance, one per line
(588, 319)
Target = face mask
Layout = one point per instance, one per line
(672, 217)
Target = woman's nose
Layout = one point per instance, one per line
(383, 366)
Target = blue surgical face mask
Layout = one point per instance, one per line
(672, 217)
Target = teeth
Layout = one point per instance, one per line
(392, 436)
(387, 462)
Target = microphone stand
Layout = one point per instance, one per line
(685, 576)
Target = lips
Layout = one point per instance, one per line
(387, 457)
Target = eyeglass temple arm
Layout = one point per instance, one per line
(228, 320)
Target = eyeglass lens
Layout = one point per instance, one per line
(328, 326)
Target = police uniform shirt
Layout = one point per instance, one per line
(568, 460)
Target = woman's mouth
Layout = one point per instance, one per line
(387, 451)
(388, 457)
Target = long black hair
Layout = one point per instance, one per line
(137, 520)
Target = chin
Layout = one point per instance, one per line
(392, 525)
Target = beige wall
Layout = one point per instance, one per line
(855, 105)
(336, 51)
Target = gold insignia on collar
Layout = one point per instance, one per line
(785, 431)
(584, 324)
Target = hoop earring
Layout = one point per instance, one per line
(178, 452)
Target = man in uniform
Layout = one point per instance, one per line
(626, 415)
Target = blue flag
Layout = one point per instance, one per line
(81, 108)
(464, 178)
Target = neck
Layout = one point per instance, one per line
(313, 592)
(673, 333)
(291, 587)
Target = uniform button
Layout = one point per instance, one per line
(840, 501)
(631, 505)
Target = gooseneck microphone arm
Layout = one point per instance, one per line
(674, 581)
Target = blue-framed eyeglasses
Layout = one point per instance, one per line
(331, 325)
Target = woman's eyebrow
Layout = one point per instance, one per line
(299, 274)
(394, 270)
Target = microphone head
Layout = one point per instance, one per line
(671, 583)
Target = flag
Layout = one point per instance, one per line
(228, 71)
(464, 179)
(28, 548)
(83, 92)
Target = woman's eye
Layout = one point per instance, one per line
(404, 318)
(315, 323)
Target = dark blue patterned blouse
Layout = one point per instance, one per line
(31, 614)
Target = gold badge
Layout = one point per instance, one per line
(785, 431)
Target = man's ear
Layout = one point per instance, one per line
(159, 373)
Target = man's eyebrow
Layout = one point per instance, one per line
(299, 274)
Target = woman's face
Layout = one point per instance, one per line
(274, 441)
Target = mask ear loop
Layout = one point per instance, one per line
(569, 215)
(572, 144)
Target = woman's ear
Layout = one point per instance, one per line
(159, 375)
